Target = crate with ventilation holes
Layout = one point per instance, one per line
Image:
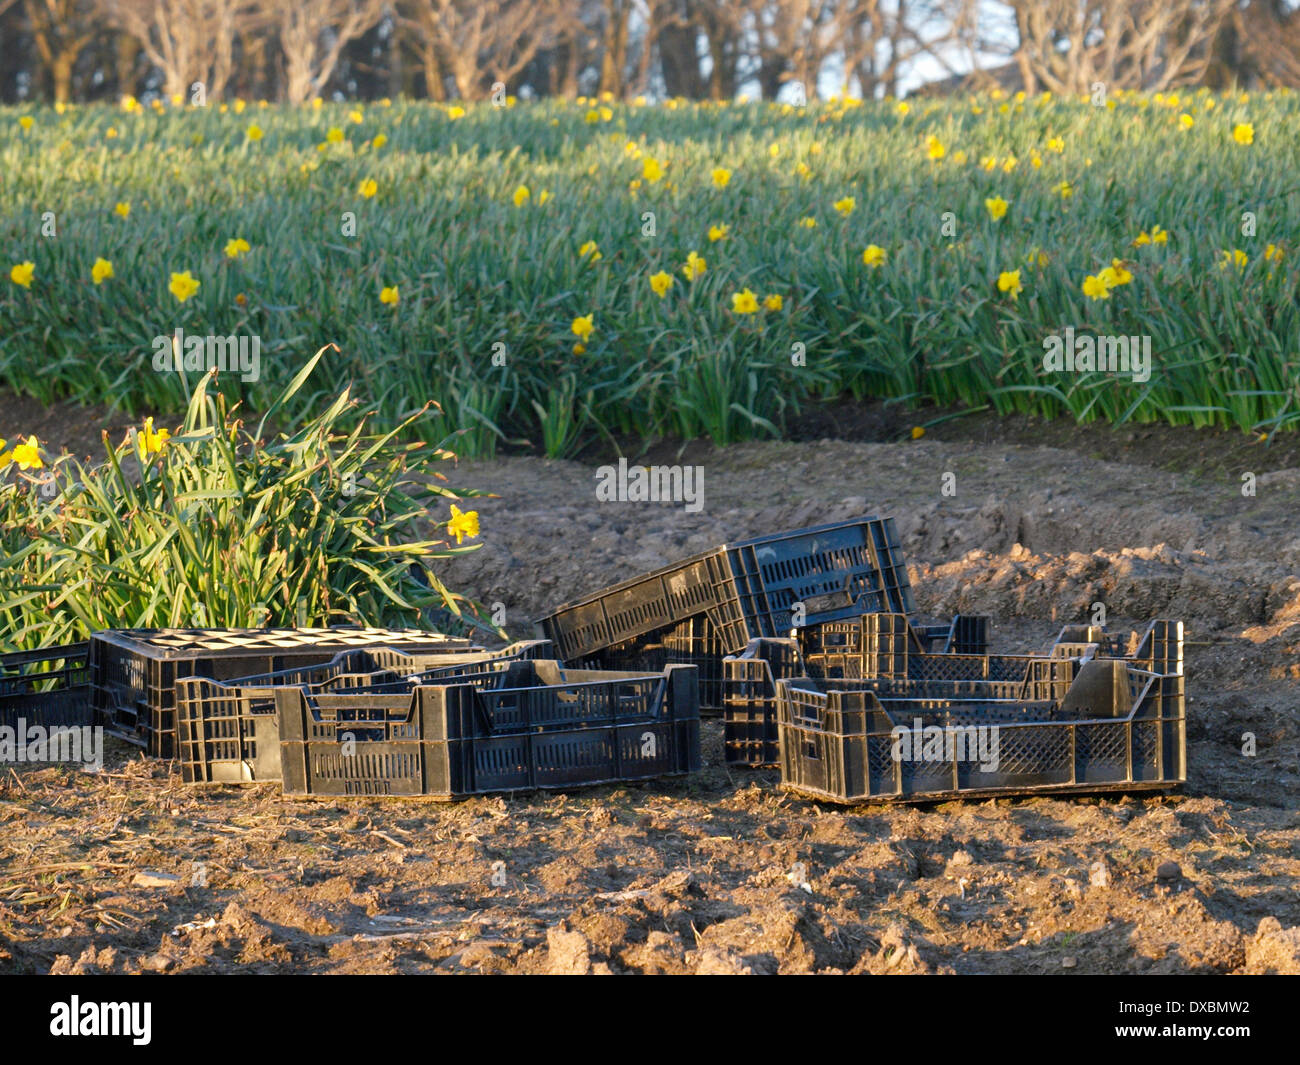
(1104, 725)
(46, 688)
(133, 672)
(228, 731)
(533, 725)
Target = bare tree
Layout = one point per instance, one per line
(61, 29)
(881, 41)
(789, 40)
(872, 41)
(479, 42)
(721, 24)
(655, 16)
(189, 41)
(678, 52)
(1067, 46)
(1262, 42)
(313, 34)
(615, 18)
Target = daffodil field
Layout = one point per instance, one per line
(557, 273)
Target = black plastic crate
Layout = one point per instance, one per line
(966, 634)
(885, 647)
(46, 688)
(382, 666)
(693, 642)
(889, 636)
(1113, 730)
(134, 671)
(229, 732)
(749, 731)
(750, 735)
(697, 642)
(644, 654)
(537, 725)
(831, 571)
(746, 590)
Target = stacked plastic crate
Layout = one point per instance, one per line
(802, 640)
(866, 717)
(134, 672)
(354, 711)
(697, 611)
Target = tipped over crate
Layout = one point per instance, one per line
(48, 688)
(134, 671)
(773, 584)
(700, 609)
(746, 590)
(900, 739)
(229, 732)
(533, 725)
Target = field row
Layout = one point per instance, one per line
(554, 273)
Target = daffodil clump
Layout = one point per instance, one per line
(211, 518)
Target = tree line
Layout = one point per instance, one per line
(295, 50)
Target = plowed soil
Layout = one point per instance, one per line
(131, 870)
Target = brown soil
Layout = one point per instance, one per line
(723, 872)
(61, 426)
